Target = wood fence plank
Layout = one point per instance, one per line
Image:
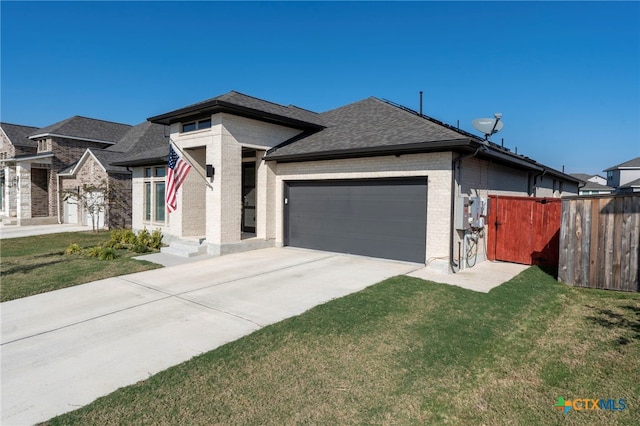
(634, 244)
(617, 244)
(586, 243)
(593, 236)
(563, 257)
(625, 233)
(608, 245)
(577, 249)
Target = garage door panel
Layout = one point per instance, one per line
(380, 218)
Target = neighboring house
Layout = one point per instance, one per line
(14, 143)
(41, 165)
(625, 177)
(370, 178)
(592, 184)
(97, 167)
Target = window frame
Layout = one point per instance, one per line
(201, 124)
(154, 209)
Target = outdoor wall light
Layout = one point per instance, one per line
(210, 170)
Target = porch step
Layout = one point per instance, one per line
(186, 247)
(8, 221)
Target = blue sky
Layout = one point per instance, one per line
(565, 75)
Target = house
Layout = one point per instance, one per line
(41, 165)
(14, 143)
(97, 169)
(370, 178)
(36, 198)
(625, 177)
(592, 184)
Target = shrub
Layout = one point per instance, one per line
(139, 248)
(143, 238)
(128, 237)
(116, 236)
(107, 253)
(94, 251)
(156, 239)
(73, 249)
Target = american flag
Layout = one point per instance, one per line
(177, 173)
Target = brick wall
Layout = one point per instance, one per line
(118, 204)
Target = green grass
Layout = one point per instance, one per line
(33, 265)
(408, 351)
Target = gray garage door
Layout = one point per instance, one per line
(373, 217)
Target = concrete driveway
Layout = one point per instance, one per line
(63, 349)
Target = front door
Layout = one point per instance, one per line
(249, 197)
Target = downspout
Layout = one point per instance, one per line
(58, 197)
(458, 160)
(535, 180)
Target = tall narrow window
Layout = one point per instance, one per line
(160, 207)
(154, 187)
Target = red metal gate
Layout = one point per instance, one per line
(524, 230)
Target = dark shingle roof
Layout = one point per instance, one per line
(632, 184)
(595, 186)
(582, 176)
(145, 143)
(18, 134)
(370, 123)
(376, 127)
(78, 127)
(635, 163)
(241, 104)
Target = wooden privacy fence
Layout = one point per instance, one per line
(600, 242)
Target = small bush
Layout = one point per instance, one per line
(116, 236)
(73, 249)
(139, 248)
(128, 237)
(156, 239)
(107, 253)
(94, 252)
(143, 238)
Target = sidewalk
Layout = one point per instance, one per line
(14, 231)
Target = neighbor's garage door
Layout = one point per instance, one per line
(373, 217)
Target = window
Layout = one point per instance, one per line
(609, 175)
(196, 125)
(154, 186)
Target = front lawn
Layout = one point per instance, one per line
(408, 351)
(32, 265)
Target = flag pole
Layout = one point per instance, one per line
(172, 143)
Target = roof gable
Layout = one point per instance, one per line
(103, 158)
(18, 134)
(83, 128)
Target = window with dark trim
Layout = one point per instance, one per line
(192, 126)
(154, 187)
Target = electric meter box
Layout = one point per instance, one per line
(461, 221)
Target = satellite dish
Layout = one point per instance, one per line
(488, 126)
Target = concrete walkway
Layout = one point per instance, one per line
(62, 350)
(14, 231)
(482, 277)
